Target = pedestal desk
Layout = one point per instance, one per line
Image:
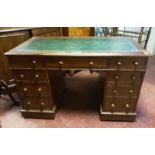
(39, 64)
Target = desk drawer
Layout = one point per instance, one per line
(128, 63)
(33, 103)
(122, 90)
(80, 62)
(26, 62)
(119, 104)
(124, 77)
(30, 90)
(30, 75)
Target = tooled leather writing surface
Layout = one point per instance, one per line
(81, 44)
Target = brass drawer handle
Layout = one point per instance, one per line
(21, 76)
(119, 63)
(91, 63)
(127, 106)
(61, 63)
(42, 103)
(34, 62)
(130, 91)
(113, 105)
(133, 77)
(28, 103)
(25, 89)
(116, 77)
(114, 91)
(37, 76)
(39, 89)
(136, 63)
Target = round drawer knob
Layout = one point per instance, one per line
(133, 77)
(25, 89)
(39, 89)
(21, 76)
(130, 91)
(42, 103)
(136, 63)
(119, 63)
(127, 106)
(116, 77)
(61, 62)
(91, 63)
(34, 62)
(28, 103)
(36, 76)
(114, 91)
(113, 105)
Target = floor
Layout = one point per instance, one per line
(79, 108)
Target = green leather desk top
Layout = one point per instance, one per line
(81, 46)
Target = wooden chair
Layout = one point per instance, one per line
(6, 90)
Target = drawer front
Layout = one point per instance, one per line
(119, 104)
(122, 90)
(30, 90)
(123, 77)
(67, 62)
(30, 75)
(33, 103)
(128, 63)
(26, 62)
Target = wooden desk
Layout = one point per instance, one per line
(39, 63)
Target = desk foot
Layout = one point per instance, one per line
(46, 114)
(117, 116)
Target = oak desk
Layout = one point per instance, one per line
(39, 63)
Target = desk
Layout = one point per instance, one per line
(39, 63)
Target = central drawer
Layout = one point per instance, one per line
(76, 62)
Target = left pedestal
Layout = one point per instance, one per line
(36, 89)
